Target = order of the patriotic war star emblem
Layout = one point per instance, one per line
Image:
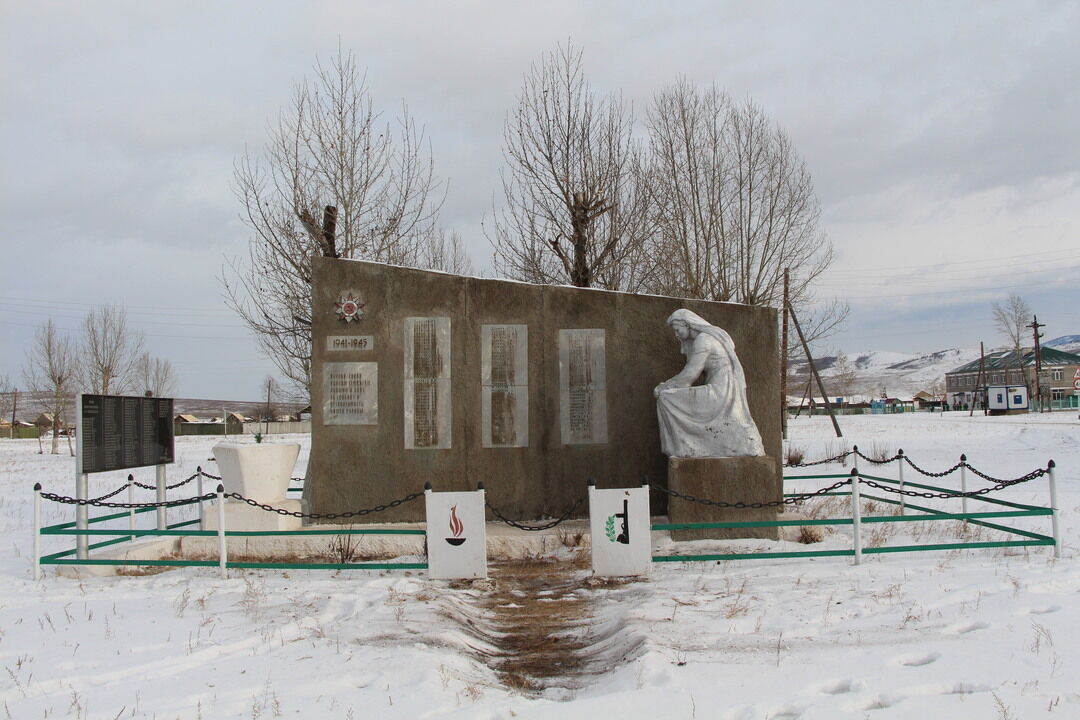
(349, 308)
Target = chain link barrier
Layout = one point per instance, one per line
(837, 458)
(872, 461)
(98, 502)
(144, 486)
(755, 505)
(325, 516)
(534, 528)
(948, 495)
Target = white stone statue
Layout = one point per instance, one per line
(710, 420)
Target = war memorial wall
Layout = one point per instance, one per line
(422, 376)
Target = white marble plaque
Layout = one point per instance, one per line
(351, 393)
(620, 526)
(338, 343)
(427, 383)
(504, 382)
(456, 534)
(582, 387)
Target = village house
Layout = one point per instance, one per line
(1059, 378)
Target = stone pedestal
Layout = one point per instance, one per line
(735, 479)
(241, 516)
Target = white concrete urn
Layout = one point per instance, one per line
(260, 472)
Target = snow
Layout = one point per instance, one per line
(960, 634)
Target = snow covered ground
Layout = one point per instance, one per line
(959, 634)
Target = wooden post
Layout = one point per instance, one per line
(814, 372)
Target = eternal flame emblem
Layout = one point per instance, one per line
(349, 308)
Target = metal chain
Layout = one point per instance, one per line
(106, 496)
(947, 495)
(167, 487)
(841, 456)
(533, 528)
(325, 516)
(774, 503)
(894, 458)
(208, 475)
(96, 502)
(927, 473)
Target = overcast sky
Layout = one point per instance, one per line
(943, 138)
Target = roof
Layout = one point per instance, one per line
(1006, 359)
(187, 418)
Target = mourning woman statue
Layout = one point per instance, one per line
(710, 420)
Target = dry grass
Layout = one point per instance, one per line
(810, 534)
(794, 455)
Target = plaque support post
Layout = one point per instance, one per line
(82, 516)
(162, 519)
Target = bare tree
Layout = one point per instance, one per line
(7, 403)
(735, 205)
(574, 209)
(844, 376)
(1011, 320)
(110, 350)
(51, 369)
(334, 180)
(154, 376)
(445, 251)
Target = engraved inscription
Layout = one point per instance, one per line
(337, 343)
(350, 393)
(582, 387)
(505, 383)
(427, 383)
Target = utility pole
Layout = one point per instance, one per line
(14, 405)
(1035, 325)
(980, 382)
(783, 362)
(814, 373)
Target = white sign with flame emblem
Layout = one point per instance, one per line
(620, 529)
(456, 535)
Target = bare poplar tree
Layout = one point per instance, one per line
(1010, 319)
(52, 370)
(574, 210)
(110, 350)
(7, 403)
(735, 205)
(334, 180)
(154, 375)
(844, 376)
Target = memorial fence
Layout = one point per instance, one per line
(842, 485)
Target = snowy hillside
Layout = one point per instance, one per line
(893, 373)
(1066, 343)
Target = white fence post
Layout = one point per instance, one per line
(131, 502)
(37, 531)
(856, 516)
(222, 548)
(162, 518)
(82, 516)
(1054, 509)
(900, 452)
(963, 484)
(198, 484)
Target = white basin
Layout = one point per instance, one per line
(260, 472)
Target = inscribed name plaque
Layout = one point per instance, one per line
(427, 383)
(504, 382)
(351, 393)
(115, 432)
(337, 343)
(582, 387)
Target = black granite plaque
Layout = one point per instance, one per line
(125, 432)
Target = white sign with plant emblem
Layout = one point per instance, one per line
(620, 526)
(456, 535)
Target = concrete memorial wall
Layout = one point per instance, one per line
(423, 376)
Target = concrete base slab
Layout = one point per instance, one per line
(148, 549)
(241, 516)
(731, 480)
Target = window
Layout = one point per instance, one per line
(1058, 374)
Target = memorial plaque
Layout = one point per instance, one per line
(351, 393)
(119, 432)
(339, 343)
(427, 383)
(504, 380)
(582, 387)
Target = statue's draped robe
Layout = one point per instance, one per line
(710, 420)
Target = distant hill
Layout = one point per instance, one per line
(30, 406)
(1067, 343)
(896, 374)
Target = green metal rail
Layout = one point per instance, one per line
(931, 514)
